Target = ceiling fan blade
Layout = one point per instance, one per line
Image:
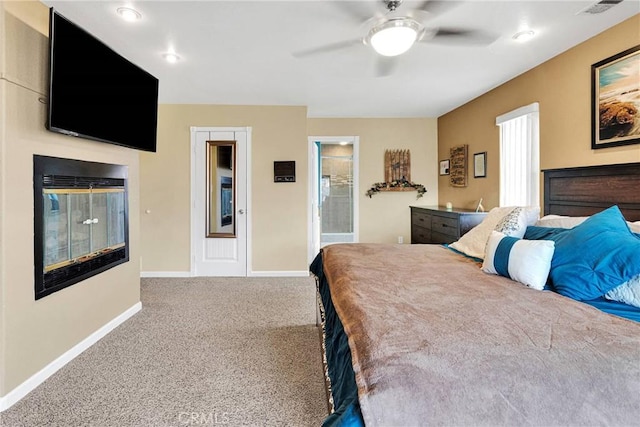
(385, 65)
(327, 48)
(438, 7)
(354, 9)
(461, 37)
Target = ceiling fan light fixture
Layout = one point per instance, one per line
(171, 57)
(524, 36)
(129, 14)
(393, 37)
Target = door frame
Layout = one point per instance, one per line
(312, 248)
(194, 225)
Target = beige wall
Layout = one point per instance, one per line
(279, 211)
(386, 215)
(562, 86)
(34, 333)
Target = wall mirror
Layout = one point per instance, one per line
(221, 213)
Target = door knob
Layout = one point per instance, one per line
(240, 211)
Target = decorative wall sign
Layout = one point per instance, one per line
(615, 105)
(458, 169)
(397, 174)
(480, 165)
(397, 165)
(284, 171)
(444, 167)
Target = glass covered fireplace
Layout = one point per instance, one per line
(80, 221)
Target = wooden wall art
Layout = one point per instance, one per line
(458, 167)
(397, 165)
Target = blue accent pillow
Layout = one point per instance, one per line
(525, 261)
(535, 232)
(595, 256)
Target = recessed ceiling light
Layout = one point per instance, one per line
(171, 57)
(129, 14)
(524, 36)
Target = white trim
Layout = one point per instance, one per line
(39, 377)
(165, 274)
(355, 142)
(279, 274)
(527, 109)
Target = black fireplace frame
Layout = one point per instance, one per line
(55, 172)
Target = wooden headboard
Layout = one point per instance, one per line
(583, 191)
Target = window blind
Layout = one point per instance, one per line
(519, 157)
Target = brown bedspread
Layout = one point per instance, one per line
(435, 341)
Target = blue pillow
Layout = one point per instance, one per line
(534, 232)
(525, 261)
(595, 256)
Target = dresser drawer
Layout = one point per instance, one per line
(420, 234)
(439, 225)
(444, 225)
(442, 238)
(421, 219)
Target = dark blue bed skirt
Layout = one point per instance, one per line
(343, 383)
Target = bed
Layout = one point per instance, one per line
(420, 335)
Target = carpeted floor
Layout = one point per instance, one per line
(202, 351)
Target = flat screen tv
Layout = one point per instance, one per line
(96, 93)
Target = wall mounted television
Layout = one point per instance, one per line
(97, 94)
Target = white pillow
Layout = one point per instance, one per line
(513, 224)
(560, 221)
(525, 261)
(474, 242)
(628, 292)
(532, 213)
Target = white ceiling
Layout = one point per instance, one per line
(241, 52)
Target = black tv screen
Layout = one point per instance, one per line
(97, 94)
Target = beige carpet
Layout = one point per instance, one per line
(202, 351)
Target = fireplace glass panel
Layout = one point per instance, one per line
(81, 224)
(56, 228)
(99, 231)
(116, 218)
(80, 230)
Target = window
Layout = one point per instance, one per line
(520, 157)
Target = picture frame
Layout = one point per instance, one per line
(480, 165)
(615, 114)
(444, 167)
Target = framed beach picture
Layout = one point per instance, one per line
(615, 100)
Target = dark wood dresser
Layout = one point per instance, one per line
(437, 224)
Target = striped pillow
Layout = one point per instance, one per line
(525, 261)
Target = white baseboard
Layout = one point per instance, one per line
(147, 274)
(303, 273)
(165, 274)
(39, 377)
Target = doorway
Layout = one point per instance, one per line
(334, 192)
(220, 165)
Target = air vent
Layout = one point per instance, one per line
(600, 7)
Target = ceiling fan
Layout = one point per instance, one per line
(394, 32)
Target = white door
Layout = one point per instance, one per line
(219, 251)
